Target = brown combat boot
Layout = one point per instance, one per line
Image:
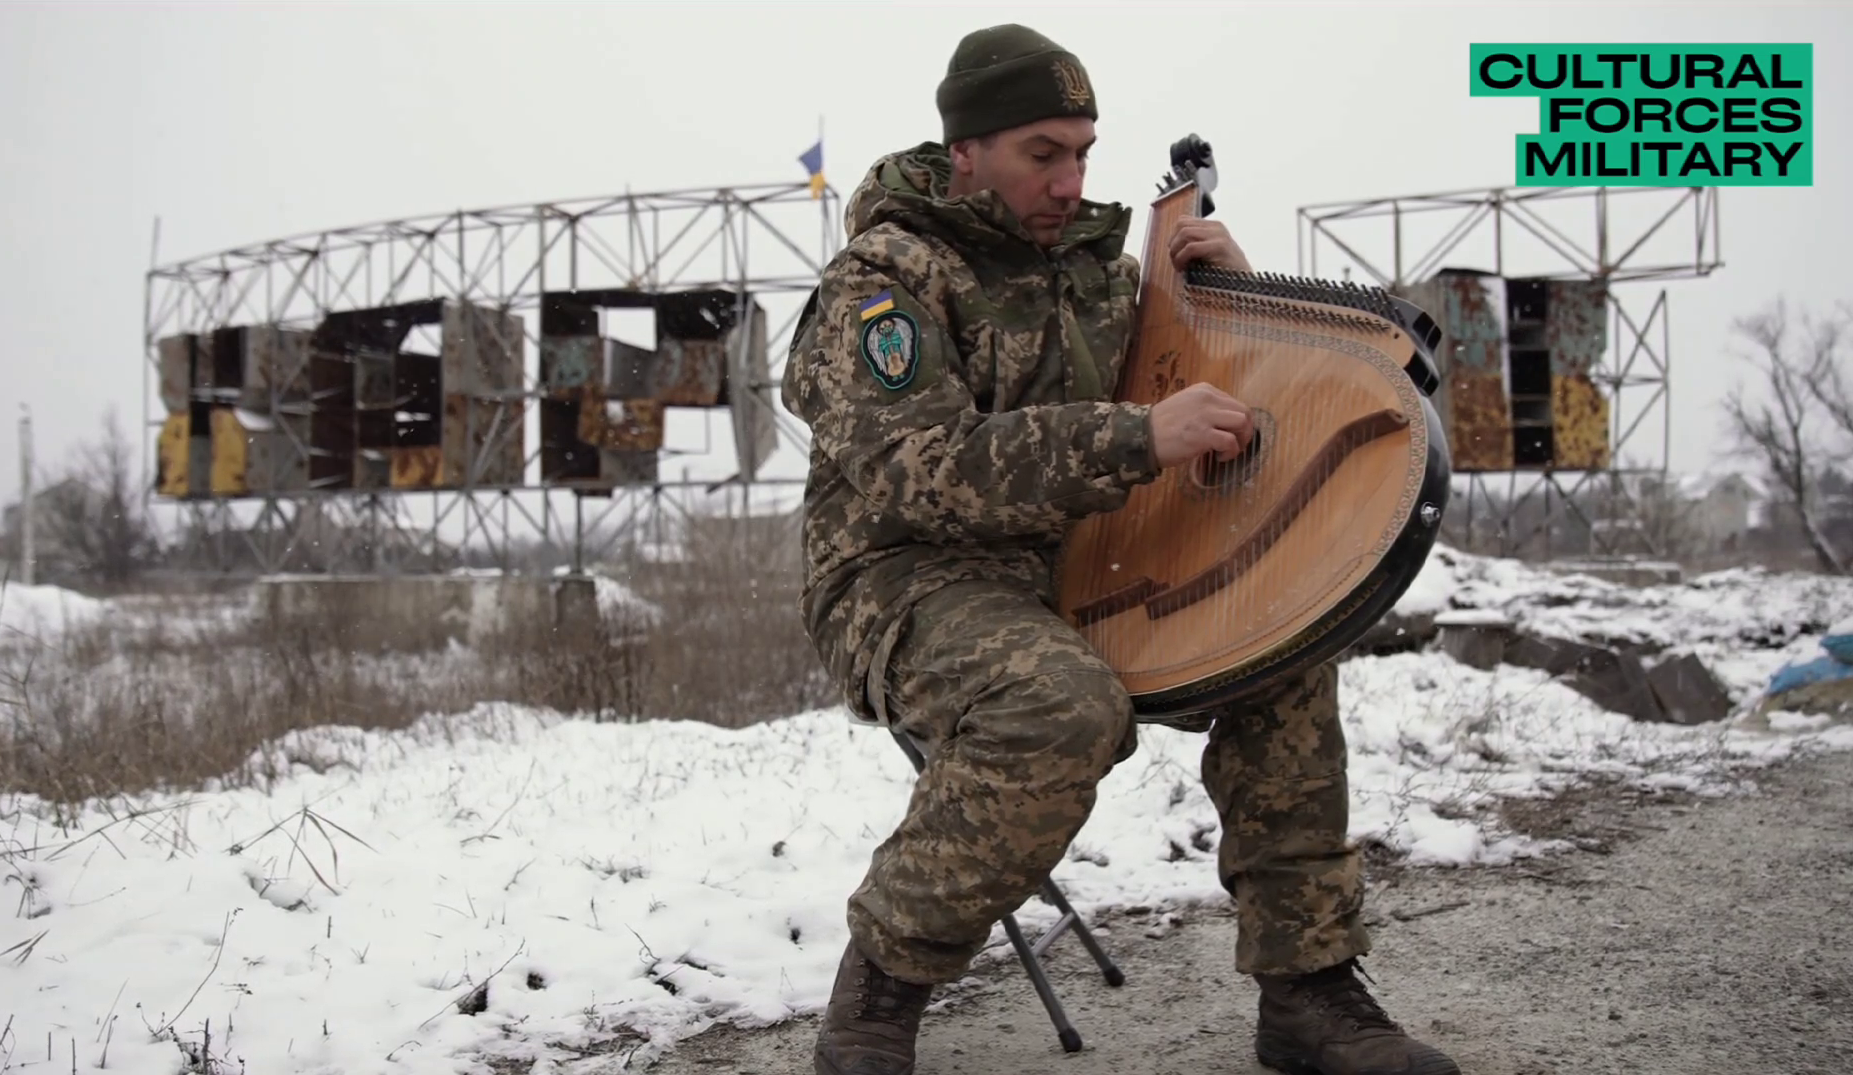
(871, 1021)
(1327, 1023)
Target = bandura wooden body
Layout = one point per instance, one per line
(1219, 579)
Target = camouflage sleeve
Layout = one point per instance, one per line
(1115, 371)
(879, 378)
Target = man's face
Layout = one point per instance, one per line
(1037, 169)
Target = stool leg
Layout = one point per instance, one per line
(1032, 963)
(1114, 976)
(1064, 1030)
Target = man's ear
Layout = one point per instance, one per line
(962, 162)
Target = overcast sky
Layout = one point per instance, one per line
(236, 123)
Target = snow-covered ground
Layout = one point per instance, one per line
(645, 880)
(30, 613)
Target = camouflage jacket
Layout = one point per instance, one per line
(957, 379)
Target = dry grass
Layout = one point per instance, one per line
(181, 693)
(731, 649)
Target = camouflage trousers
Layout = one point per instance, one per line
(1020, 721)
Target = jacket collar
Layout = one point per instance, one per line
(908, 187)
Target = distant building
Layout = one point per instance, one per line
(65, 499)
(1722, 509)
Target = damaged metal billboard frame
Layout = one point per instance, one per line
(307, 389)
(1555, 367)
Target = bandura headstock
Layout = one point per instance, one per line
(1193, 167)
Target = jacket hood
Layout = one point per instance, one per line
(908, 187)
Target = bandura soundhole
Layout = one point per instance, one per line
(1223, 576)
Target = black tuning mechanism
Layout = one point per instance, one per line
(1190, 151)
(1191, 160)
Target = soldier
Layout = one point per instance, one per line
(956, 366)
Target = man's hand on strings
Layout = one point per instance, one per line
(1208, 241)
(1201, 418)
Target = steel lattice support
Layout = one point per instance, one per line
(759, 248)
(1628, 236)
(340, 533)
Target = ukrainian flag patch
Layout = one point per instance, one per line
(878, 305)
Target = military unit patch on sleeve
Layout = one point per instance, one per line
(890, 342)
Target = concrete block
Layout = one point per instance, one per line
(1688, 692)
(1475, 637)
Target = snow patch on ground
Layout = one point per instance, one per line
(567, 883)
(42, 613)
(1743, 623)
(647, 879)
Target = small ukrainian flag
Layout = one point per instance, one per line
(813, 161)
(878, 305)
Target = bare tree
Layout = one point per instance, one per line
(1808, 404)
(1668, 519)
(1829, 387)
(92, 519)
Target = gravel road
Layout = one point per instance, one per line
(1687, 936)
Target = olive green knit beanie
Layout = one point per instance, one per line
(1005, 76)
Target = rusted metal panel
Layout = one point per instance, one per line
(199, 448)
(372, 468)
(331, 421)
(419, 401)
(276, 367)
(506, 458)
(228, 348)
(275, 461)
(417, 468)
(628, 371)
(203, 366)
(569, 313)
(1480, 433)
(628, 424)
(599, 406)
(482, 442)
(176, 362)
(1472, 320)
(602, 414)
(171, 457)
(627, 468)
(230, 449)
(749, 394)
(689, 373)
(373, 428)
(479, 436)
(1528, 375)
(483, 350)
(1516, 358)
(1576, 326)
(1470, 310)
(375, 408)
(1579, 424)
(375, 404)
(253, 454)
(571, 361)
(373, 389)
(564, 457)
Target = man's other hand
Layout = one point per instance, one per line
(1197, 239)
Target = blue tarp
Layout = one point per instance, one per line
(1819, 670)
(1841, 646)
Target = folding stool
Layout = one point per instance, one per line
(1030, 953)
